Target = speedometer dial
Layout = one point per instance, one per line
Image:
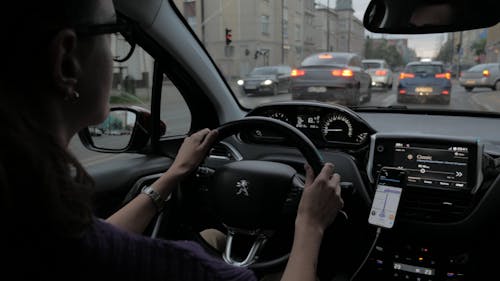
(337, 127)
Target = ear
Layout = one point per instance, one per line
(64, 62)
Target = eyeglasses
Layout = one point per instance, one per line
(121, 35)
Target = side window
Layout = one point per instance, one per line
(132, 86)
(174, 110)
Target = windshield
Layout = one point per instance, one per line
(264, 71)
(323, 59)
(369, 65)
(481, 67)
(422, 68)
(332, 58)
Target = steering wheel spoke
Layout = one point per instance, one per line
(260, 240)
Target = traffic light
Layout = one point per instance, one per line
(229, 37)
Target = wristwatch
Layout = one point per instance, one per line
(155, 196)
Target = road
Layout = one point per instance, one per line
(479, 99)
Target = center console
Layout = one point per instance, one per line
(443, 176)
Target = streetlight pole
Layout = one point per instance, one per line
(328, 26)
(282, 31)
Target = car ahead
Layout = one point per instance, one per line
(424, 82)
(380, 72)
(447, 222)
(333, 77)
(486, 75)
(267, 80)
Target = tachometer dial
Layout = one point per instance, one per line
(337, 127)
(279, 116)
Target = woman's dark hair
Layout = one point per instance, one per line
(44, 192)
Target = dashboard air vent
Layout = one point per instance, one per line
(434, 205)
(224, 151)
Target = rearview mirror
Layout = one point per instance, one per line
(429, 16)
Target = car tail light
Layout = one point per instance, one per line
(446, 75)
(381, 72)
(486, 73)
(403, 75)
(342, 72)
(297, 72)
(402, 91)
(445, 92)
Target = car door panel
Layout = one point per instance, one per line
(115, 178)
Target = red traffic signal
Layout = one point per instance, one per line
(229, 36)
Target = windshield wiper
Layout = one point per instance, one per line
(373, 107)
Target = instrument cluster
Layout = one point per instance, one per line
(326, 125)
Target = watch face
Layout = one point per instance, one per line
(155, 196)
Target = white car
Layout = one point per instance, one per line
(380, 72)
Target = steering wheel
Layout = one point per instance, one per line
(251, 197)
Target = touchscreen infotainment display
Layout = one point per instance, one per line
(436, 165)
(430, 163)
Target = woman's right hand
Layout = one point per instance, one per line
(320, 200)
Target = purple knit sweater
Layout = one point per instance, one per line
(108, 253)
(126, 256)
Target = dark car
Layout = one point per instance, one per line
(270, 80)
(330, 76)
(424, 82)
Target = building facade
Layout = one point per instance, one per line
(266, 32)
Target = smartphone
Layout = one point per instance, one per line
(390, 185)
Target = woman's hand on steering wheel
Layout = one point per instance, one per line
(320, 200)
(192, 152)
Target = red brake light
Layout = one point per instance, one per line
(381, 72)
(402, 92)
(486, 73)
(297, 72)
(403, 75)
(446, 75)
(343, 72)
(445, 92)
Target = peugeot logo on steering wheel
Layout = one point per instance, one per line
(243, 186)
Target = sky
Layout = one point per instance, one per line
(425, 46)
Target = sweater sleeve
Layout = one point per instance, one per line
(136, 257)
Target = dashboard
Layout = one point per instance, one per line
(447, 183)
(324, 124)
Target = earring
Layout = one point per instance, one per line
(72, 97)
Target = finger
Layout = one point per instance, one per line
(210, 138)
(335, 182)
(326, 172)
(200, 135)
(309, 174)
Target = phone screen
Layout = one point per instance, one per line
(385, 204)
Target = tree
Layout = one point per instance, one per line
(383, 51)
(479, 47)
(445, 53)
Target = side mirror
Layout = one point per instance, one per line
(126, 129)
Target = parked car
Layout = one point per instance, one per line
(380, 71)
(269, 80)
(486, 75)
(331, 76)
(424, 82)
